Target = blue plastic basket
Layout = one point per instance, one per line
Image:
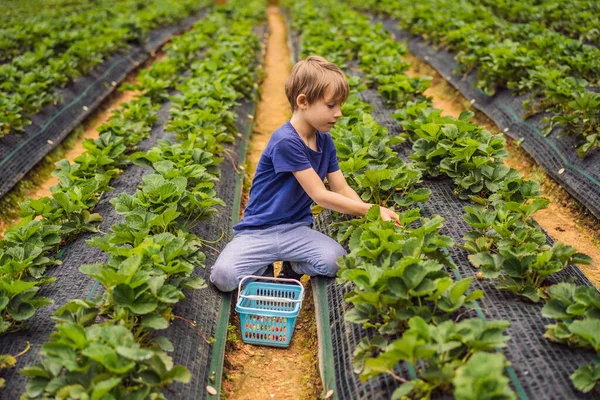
(268, 310)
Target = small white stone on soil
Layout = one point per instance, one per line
(113, 83)
(329, 394)
(211, 390)
(50, 141)
(505, 130)
(472, 101)
(562, 170)
(85, 108)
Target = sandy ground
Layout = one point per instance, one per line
(258, 372)
(561, 219)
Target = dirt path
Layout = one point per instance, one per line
(257, 372)
(564, 219)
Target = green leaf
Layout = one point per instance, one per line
(154, 321)
(586, 378)
(164, 343)
(588, 329)
(135, 354)
(36, 386)
(180, 374)
(580, 258)
(373, 213)
(124, 296)
(555, 309)
(459, 289)
(103, 388)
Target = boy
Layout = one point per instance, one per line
(289, 178)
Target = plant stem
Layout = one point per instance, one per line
(396, 377)
(193, 325)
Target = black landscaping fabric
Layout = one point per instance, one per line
(19, 153)
(557, 156)
(540, 368)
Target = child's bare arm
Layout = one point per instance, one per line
(314, 187)
(338, 184)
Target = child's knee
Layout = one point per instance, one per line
(224, 278)
(329, 261)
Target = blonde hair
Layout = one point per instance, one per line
(312, 77)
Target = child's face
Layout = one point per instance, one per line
(323, 113)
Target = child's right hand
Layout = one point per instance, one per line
(389, 215)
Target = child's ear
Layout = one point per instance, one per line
(301, 101)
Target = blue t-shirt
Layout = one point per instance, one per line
(276, 196)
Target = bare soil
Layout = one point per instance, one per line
(258, 372)
(565, 219)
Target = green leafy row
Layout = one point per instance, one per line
(29, 22)
(559, 73)
(577, 19)
(507, 242)
(49, 223)
(399, 283)
(107, 348)
(29, 80)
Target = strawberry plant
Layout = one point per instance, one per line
(101, 361)
(445, 356)
(577, 310)
(507, 243)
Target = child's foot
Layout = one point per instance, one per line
(288, 272)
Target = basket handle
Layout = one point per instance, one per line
(267, 298)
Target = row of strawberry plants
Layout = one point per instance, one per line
(507, 242)
(577, 19)
(49, 223)
(29, 80)
(473, 158)
(108, 347)
(25, 25)
(559, 73)
(400, 286)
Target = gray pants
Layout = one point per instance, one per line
(251, 251)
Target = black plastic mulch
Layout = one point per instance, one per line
(557, 156)
(540, 368)
(19, 153)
